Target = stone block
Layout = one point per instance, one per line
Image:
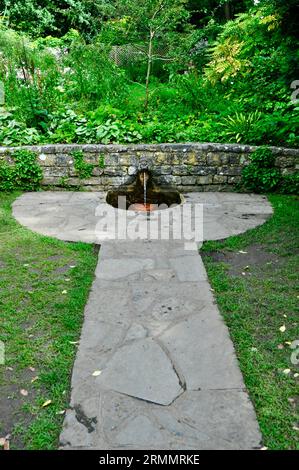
(163, 170)
(116, 181)
(181, 170)
(213, 159)
(204, 179)
(62, 159)
(166, 179)
(113, 171)
(55, 171)
(51, 181)
(224, 158)
(188, 180)
(47, 159)
(219, 179)
(97, 171)
(230, 170)
(142, 370)
(189, 158)
(111, 159)
(161, 158)
(89, 181)
(132, 170)
(92, 158)
(234, 159)
(127, 160)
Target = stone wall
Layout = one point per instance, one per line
(190, 167)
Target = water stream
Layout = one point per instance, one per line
(144, 188)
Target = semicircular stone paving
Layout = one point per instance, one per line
(167, 374)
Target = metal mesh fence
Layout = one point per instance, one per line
(129, 53)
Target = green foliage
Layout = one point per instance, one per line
(102, 161)
(64, 182)
(117, 131)
(83, 169)
(24, 174)
(15, 132)
(225, 81)
(94, 76)
(241, 127)
(260, 175)
(41, 18)
(31, 79)
(290, 184)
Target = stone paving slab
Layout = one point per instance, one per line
(167, 376)
(143, 370)
(200, 346)
(72, 216)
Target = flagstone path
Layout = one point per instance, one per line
(155, 368)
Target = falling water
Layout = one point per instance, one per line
(144, 188)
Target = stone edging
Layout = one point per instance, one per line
(190, 166)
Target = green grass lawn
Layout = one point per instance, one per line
(255, 279)
(44, 285)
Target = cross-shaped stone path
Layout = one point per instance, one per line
(155, 368)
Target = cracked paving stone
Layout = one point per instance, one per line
(142, 370)
(202, 349)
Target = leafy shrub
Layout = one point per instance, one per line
(31, 78)
(263, 158)
(260, 175)
(290, 184)
(25, 174)
(14, 132)
(241, 127)
(117, 131)
(94, 77)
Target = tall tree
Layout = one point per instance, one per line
(151, 20)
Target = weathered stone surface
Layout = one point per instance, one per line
(217, 419)
(188, 269)
(201, 347)
(132, 170)
(139, 431)
(220, 179)
(213, 159)
(174, 164)
(181, 170)
(97, 171)
(136, 331)
(224, 214)
(120, 268)
(188, 180)
(196, 420)
(142, 370)
(75, 433)
(205, 180)
(55, 172)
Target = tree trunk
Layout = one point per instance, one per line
(228, 11)
(149, 68)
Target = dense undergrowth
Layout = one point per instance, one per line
(219, 80)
